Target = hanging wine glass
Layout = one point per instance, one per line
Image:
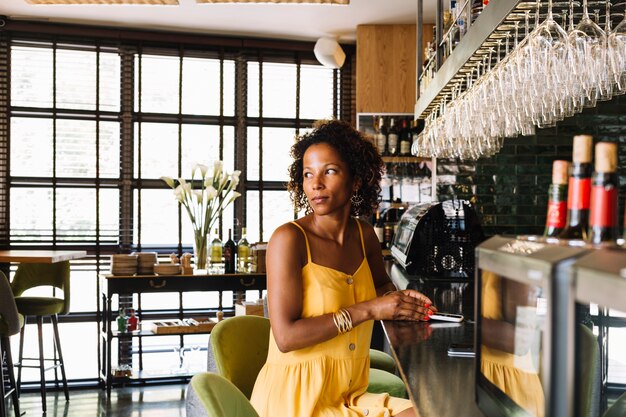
(549, 52)
(617, 55)
(588, 46)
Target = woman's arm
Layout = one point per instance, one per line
(285, 258)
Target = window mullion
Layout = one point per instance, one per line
(127, 74)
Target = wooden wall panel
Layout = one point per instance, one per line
(386, 76)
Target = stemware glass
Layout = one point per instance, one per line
(588, 48)
(617, 55)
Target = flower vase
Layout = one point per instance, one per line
(200, 250)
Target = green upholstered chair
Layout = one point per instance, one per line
(239, 345)
(589, 389)
(212, 395)
(10, 323)
(382, 381)
(29, 276)
(240, 362)
(382, 360)
(618, 408)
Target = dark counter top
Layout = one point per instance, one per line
(438, 385)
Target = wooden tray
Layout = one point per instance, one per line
(192, 325)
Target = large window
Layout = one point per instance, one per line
(91, 126)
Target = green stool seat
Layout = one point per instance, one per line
(4, 326)
(39, 306)
(212, 395)
(382, 381)
(382, 360)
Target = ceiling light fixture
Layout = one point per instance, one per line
(329, 53)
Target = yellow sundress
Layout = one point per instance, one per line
(330, 378)
(512, 374)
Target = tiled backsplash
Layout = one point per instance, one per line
(510, 189)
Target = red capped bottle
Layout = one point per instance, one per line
(557, 200)
(603, 216)
(579, 190)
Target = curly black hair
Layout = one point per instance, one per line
(362, 158)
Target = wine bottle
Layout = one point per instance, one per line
(243, 252)
(381, 137)
(216, 248)
(579, 191)
(229, 251)
(379, 228)
(557, 202)
(603, 216)
(405, 139)
(392, 138)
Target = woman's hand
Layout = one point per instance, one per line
(402, 305)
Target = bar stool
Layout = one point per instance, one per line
(30, 276)
(10, 323)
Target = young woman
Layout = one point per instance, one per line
(327, 283)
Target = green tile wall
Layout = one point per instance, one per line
(510, 189)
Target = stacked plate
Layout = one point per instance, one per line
(167, 269)
(145, 262)
(123, 264)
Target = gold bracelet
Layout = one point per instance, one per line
(342, 320)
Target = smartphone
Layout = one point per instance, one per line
(461, 349)
(447, 317)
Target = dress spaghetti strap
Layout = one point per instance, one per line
(362, 241)
(306, 240)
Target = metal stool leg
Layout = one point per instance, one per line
(42, 365)
(20, 358)
(57, 340)
(9, 360)
(3, 411)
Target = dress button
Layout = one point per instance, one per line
(351, 346)
(349, 281)
(366, 412)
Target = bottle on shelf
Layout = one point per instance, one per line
(392, 138)
(379, 227)
(243, 252)
(579, 191)
(122, 320)
(381, 136)
(603, 216)
(557, 200)
(405, 139)
(216, 248)
(133, 320)
(228, 252)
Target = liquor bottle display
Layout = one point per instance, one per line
(579, 192)
(243, 252)
(229, 251)
(557, 202)
(392, 138)
(603, 216)
(381, 137)
(216, 249)
(405, 139)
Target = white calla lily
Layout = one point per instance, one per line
(169, 181)
(205, 203)
(211, 192)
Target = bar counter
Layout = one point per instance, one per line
(438, 385)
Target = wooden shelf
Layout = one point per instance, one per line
(404, 159)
